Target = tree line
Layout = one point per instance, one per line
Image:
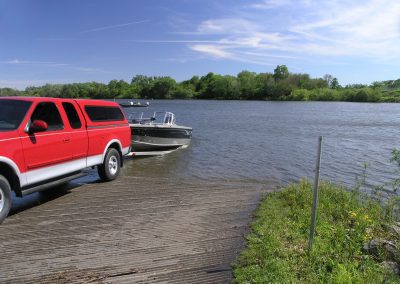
(279, 85)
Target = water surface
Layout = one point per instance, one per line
(276, 142)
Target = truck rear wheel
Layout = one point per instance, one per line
(5, 198)
(111, 166)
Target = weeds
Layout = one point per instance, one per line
(277, 247)
(346, 221)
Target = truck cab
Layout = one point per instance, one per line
(48, 141)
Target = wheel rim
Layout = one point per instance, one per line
(113, 165)
(2, 197)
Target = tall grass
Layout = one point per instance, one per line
(277, 246)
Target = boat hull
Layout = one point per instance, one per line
(159, 138)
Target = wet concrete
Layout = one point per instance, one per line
(128, 231)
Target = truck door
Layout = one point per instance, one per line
(79, 138)
(46, 149)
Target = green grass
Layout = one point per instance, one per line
(277, 246)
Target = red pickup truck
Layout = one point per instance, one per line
(48, 141)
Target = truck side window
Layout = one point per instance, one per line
(48, 112)
(72, 115)
(104, 113)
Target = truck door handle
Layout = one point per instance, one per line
(67, 140)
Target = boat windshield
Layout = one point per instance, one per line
(157, 118)
(12, 112)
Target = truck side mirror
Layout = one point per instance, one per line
(38, 126)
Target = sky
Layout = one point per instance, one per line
(65, 41)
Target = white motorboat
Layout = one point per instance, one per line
(157, 134)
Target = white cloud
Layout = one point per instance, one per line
(213, 50)
(90, 70)
(31, 65)
(269, 55)
(56, 39)
(174, 41)
(369, 29)
(21, 84)
(270, 4)
(239, 39)
(27, 62)
(327, 29)
(226, 26)
(113, 26)
(282, 31)
(14, 61)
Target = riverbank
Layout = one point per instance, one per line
(277, 247)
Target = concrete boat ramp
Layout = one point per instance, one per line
(156, 230)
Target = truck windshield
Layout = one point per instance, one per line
(12, 112)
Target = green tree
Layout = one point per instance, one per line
(247, 84)
(191, 87)
(98, 91)
(113, 88)
(281, 72)
(162, 88)
(69, 91)
(119, 89)
(266, 84)
(281, 91)
(6, 92)
(377, 85)
(228, 87)
(142, 85)
(299, 95)
(328, 79)
(280, 85)
(334, 84)
(182, 92)
(318, 83)
(205, 86)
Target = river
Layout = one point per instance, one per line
(276, 142)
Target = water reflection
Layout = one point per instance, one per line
(164, 166)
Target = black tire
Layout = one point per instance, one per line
(5, 198)
(111, 166)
